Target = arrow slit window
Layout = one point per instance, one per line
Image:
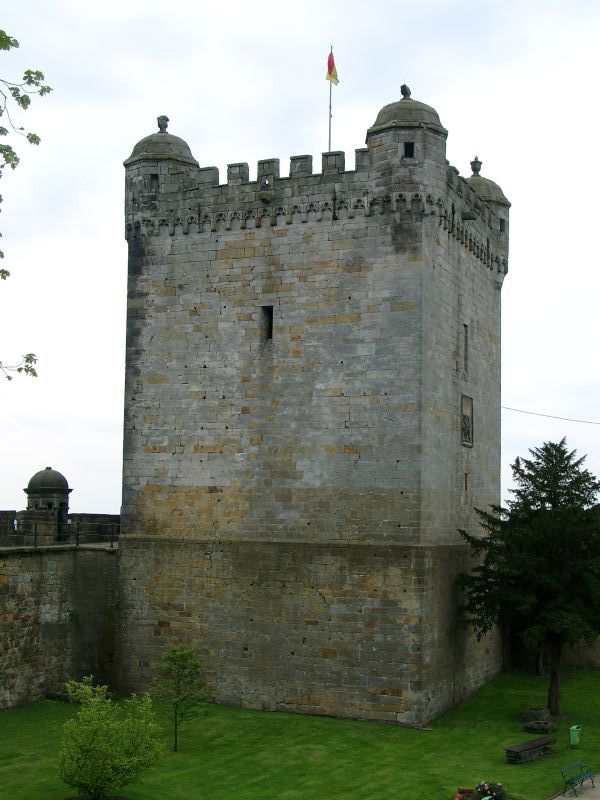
(266, 323)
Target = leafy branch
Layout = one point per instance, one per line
(25, 367)
(17, 94)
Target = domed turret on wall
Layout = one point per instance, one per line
(485, 188)
(410, 130)
(407, 113)
(157, 165)
(47, 503)
(491, 193)
(161, 146)
(48, 479)
(47, 490)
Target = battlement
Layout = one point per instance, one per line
(268, 169)
(405, 156)
(204, 206)
(169, 198)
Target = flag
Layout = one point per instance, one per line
(331, 70)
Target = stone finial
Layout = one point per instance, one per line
(405, 92)
(476, 166)
(163, 122)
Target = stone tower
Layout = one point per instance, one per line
(312, 410)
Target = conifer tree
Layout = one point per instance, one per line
(538, 564)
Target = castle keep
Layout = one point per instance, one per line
(312, 410)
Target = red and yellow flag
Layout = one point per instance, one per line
(331, 70)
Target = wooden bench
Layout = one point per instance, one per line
(575, 774)
(528, 751)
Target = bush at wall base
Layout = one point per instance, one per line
(106, 744)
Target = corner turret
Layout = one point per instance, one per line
(410, 131)
(491, 193)
(159, 163)
(161, 146)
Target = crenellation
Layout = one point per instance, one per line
(333, 163)
(267, 171)
(238, 173)
(361, 159)
(208, 176)
(301, 166)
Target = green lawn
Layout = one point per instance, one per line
(230, 754)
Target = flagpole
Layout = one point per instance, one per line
(332, 78)
(329, 145)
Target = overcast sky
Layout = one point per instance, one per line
(514, 82)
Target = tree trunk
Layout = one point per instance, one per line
(554, 686)
(540, 669)
(505, 634)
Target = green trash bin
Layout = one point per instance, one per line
(574, 735)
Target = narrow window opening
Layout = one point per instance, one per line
(466, 420)
(409, 149)
(466, 481)
(267, 323)
(466, 348)
(502, 226)
(154, 183)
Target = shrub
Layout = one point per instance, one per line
(106, 744)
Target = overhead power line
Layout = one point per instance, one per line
(551, 416)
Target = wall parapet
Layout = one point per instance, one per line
(461, 226)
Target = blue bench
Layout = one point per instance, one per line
(575, 774)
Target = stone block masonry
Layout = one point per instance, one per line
(312, 382)
(56, 619)
(341, 630)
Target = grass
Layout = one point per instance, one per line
(231, 753)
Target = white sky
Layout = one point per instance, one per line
(515, 82)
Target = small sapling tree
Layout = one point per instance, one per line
(179, 682)
(106, 744)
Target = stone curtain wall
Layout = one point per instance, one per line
(96, 603)
(37, 639)
(349, 631)
(56, 619)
